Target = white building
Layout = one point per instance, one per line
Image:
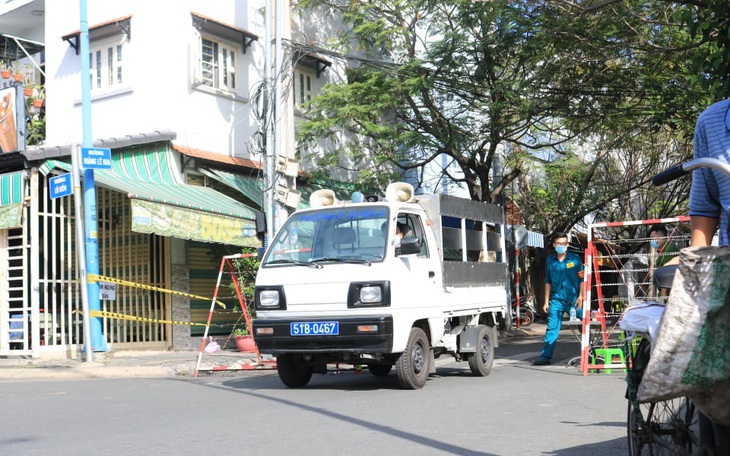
(175, 94)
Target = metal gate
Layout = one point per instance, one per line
(40, 294)
(14, 318)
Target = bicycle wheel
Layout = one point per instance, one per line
(658, 428)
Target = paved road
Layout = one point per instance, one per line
(518, 410)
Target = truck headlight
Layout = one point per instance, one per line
(371, 294)
(368, 294)
(269, 298)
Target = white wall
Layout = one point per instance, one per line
(158, 93)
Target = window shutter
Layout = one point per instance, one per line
(196, 75)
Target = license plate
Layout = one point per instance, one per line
(315, 328)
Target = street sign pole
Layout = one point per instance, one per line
(79, 209)
(97, 341)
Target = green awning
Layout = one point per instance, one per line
(183, 223)
(250, 186)
(12, 194)
(162, 204)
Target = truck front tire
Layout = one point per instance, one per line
(413, 363)
(293, 371)
(482, 360)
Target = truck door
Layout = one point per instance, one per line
(422, 272)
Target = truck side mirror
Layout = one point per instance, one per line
(260, 253)
(409, 246)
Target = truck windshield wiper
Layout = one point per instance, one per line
(295, 263)
(341, 260)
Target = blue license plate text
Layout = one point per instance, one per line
(314, 328)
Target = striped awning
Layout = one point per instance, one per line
(524, 237)
(250, 186)
(162, 204)
(535, 239)
(12, 194)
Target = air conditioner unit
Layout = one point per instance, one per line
(287, 166)
(287, 197)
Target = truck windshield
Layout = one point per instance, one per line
(340, 234)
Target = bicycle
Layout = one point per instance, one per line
(656, 428)
(674, 426)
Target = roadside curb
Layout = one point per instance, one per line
(119, 365)
(96, 370)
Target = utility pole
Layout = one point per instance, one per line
(268, 122)
(278, 95)
(97, 341)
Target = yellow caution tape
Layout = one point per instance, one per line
(119, 316)
(92, 278)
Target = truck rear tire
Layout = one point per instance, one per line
(482, 360)
(413, 363)
(293, 371)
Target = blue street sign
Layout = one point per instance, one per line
(61, 186)
(96, 158)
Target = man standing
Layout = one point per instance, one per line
(709, 201)
(709, 198)
(563, 290)
(664, 248)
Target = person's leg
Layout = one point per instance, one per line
(555, 314)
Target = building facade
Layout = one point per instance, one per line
(178, 96)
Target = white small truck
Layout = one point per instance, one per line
(338, 285)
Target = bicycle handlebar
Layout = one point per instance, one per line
(680, 170)
(668, 175)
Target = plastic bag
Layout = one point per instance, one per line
(212, 346)
(642, 318)
(690, 354)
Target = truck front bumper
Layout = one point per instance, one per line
(348, 340)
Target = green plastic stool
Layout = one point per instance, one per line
(608, 354)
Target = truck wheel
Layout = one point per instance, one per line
(481, 362)
(293, 371)
(380, 370)
(412, 364)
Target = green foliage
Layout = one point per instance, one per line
(585, 99)
(246, 269)
(708, 23)
(240, 331)
(35, 130)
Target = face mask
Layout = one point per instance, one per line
(561, 249)
(654, 244)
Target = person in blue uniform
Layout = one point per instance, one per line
(709, 200)
(563, 290)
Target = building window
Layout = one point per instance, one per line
(218, 64)
(106, 63)
(303, 87)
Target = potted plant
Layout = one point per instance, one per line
(246, 269)
(35, 130)
(22, 72)
(37, 97)
(244, 340)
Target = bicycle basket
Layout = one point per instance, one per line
(690, 355)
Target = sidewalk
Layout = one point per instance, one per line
(123, 364)
(150, 364)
